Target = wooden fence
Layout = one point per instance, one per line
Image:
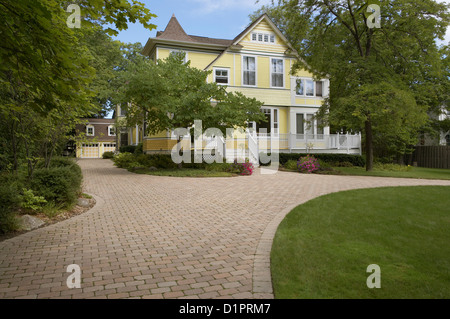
(432, 156)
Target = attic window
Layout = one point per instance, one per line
(263, 37)
(90, 130)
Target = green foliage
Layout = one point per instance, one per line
(58, 184)
(9, 202)
(139, 149)
(291, 165)
(355, 160)
(108, 155)
(384, 80)
(308, 164)
(127, 149)
(153, 91)
(391, 167)
(124, 160)
(31, 201)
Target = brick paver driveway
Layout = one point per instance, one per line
(164, 237)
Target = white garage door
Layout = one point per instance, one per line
(109, 147)
(90, 150)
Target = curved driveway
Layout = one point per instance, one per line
(165, 237)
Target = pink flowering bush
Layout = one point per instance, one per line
(308, 164)
(246, 168)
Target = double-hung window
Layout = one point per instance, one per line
(90, 131)
(306, 87)
(221, 76)
(249, 70)
(277, 73)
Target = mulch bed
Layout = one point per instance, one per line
(64, 215)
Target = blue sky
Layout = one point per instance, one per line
(210, 18)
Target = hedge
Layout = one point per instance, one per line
(355, 160)
(9, 202)
(127, 149)
(58, 184)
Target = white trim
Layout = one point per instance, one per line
(263, 34)
(283, 74)
(221, 69)
(87, 130)
(109, 130)
(242, 70)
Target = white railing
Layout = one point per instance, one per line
(253, 149)
(251, 144)
(309, 142)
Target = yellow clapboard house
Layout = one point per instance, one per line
(258, 62)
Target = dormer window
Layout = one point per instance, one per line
(90, 131)
(111, 131)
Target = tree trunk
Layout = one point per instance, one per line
(369, 145)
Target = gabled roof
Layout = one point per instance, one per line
(243, 34)
(174, 32)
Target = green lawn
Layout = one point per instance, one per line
(184, 172)
(414, 172)
(323, 247)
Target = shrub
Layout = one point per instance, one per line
(127, 149)
(342, 164)
(355, 160)
(308, 164)
(108, 155)
(123, 160)
(58, 184)
(219, 167)
(291, 165)
(58, 161)
(245, 168)
(9, 202)
(139, 149)
(162, 161)
(31, 201)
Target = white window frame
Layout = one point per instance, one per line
(275, 131)
(256, 36)
(221, 69)
(271, 73)
(315, 124)
(90, 127)
(109, 130)
(180, 51)
(243, 70)
(314, 88)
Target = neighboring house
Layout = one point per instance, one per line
(95, 137)
(444, 136)
(258, 63)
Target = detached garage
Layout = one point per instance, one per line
(96, 136)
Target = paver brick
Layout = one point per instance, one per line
(165, 237)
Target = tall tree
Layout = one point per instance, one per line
(170, 94)
(379, 75)
(48, 69)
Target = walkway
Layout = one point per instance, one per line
(165, 237)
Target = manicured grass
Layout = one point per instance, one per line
(322, 248)
(413, 172)
(183, 172)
